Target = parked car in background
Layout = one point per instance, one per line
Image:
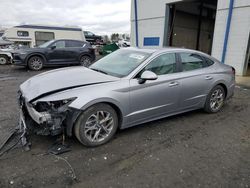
(5, 56)
(123, 43)
(55, 52)
(125, 88)
(92, 38)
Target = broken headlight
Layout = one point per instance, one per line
(53, 106)
(51, 115)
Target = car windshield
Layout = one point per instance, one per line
(120, 63)
(46, 44)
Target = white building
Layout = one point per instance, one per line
(217, 27)
(34, 35)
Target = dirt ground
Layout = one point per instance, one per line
(194, 149)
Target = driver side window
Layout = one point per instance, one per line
(59, 44)
(164, 64)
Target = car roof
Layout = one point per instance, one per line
(160, 50)
(156, 51)
(69, 40)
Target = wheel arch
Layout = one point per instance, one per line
(224, 87)
(84, 54)
(35, 54)
(76, 114)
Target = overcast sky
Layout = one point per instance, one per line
(99, 16)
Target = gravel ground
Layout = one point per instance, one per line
(194, 149)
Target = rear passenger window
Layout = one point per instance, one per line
(209, 61)
(74, 44)
(191, 61)
(60, 44)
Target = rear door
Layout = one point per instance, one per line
(195, 80)
(74, 49)
(158, 97)
(57, 53)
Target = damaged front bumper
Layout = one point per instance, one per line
(43, 118)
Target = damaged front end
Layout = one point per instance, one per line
(43, 117)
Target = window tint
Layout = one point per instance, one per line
(209, 61)
(71, 43)
(60, 44)
(191, 61)
(164, 64)
(121, 62)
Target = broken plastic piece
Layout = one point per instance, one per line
(59, 149)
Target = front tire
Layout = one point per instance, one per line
(3, 59)
(85, 61)
(35, 63)
(215, 99)
(96, 125)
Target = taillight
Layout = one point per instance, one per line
(233, 71)
(92, 49)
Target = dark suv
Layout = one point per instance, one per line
(55, 52)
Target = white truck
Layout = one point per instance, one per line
(5, 56)
(5, 51)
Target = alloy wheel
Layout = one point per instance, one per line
(217, 99)
(36, 63)
(98, 126)
(85, 61)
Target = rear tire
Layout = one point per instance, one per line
(85, 61)
(3, 59)
(215, 100)
(35, 63)
(96, 125)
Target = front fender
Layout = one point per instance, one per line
(33, 54)
(101, 100)
(70, 121)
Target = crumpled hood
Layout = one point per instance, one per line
(61, 79)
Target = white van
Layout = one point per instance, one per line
(35, 35)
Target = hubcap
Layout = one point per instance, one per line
(36, 63)
(3, 61)
(85, 61)
(98, 126)
(217, 99)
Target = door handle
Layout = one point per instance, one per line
(172, 84)
(209, 78)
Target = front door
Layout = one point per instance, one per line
(58, 53)
(158, 97)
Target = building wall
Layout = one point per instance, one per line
(151, 23)
(151, 19)
(238, 35)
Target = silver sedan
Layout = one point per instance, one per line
(128, 87)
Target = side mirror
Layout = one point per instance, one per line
(53, 47)
(147, 75)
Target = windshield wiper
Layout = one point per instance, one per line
(98, 70)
